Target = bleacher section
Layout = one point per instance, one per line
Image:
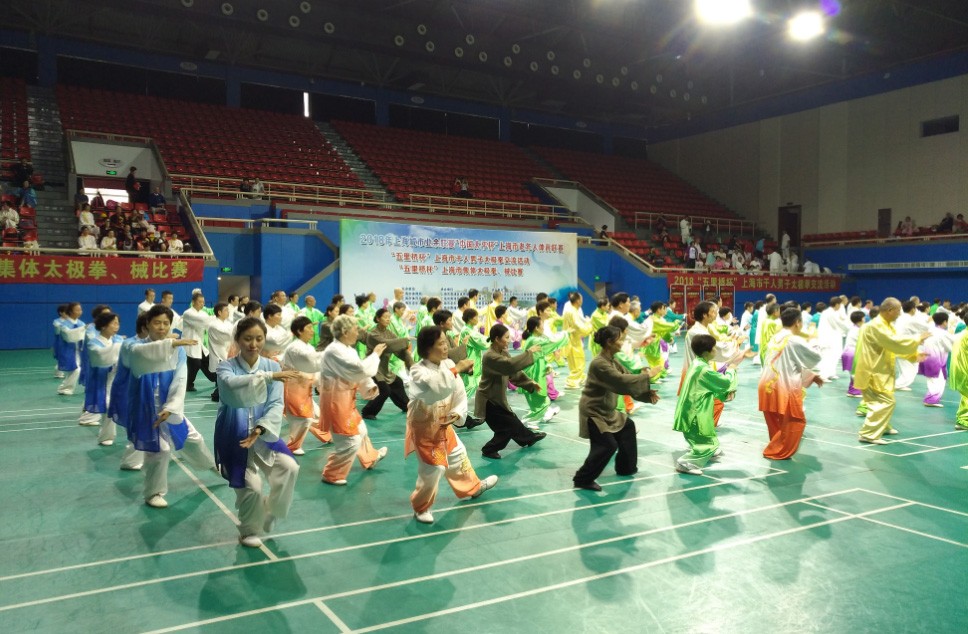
(212, 141)
(14, 133)
(411, 162)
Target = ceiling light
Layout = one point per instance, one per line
(616, 81)
(422, 29)
(550, 55)
(470, 39)
(534, 67)
(805, 26)
(554, 69)
(398, 40)
(294, 21)
(624, 70)
(508, 61)
(587, 63)
(482, 56)
(329, 28)
(634, 85)
(262, 14)
(600, 78)
(576, 74)
(429, 46)
(458, 52)
(188, 4)
(673, 93)
(723, 11)
(515, 48)
(227, 8)
(305, 7)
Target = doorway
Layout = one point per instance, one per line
(234, 285)
(788, 219)
(884, 223)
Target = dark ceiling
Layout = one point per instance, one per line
(638, 62)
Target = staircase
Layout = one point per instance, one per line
(56, 223)
(537, 158)
(371, 182)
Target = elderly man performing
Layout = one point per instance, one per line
(877, 345)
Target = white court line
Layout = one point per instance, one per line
(914, 453)
(514, 560)
(889, 525)
(924, 504)
(8, 431)
(235, 520)
(384, 542)
(377, 520)
(338, 622)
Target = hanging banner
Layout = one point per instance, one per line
(727, 295)
(447, 261)
(766, 283)
(693, 297)
(58, 269)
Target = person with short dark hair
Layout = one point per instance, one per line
(702, 387)
(438, 403)
(102, 351)
(248, 427)
(131, 185)
(388, 383)
(608, 429)
(69, 333)
(491, 403)
(301, 411)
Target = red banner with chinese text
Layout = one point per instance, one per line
(765, 283)
(58, 269)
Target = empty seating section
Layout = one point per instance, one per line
(14, 139)
(840, 236)
(213, 141)
(410, 162)
(635, 185)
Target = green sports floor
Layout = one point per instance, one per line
(842, 538)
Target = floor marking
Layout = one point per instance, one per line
(924, 504)
(515, 560)
(232, 516)
(338, 622)
(889, 525)
(8, 431)
(914, 453)
(383, 542)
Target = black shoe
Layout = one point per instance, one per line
(369, 416)
(214, 397)
(473, 422)
(588, 486)
(537, 436)
(491, 454)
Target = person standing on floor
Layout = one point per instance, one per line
(608, 429)
(247, 443)
(131, 459)
(878, 344)
(102, 351)
(301, 410)
(156, 406)
(937, 347)
(790, 365)
(389, 384)
(850, 346)
(578, 327)
(539, 403)
(959, 378)
(438, 402)
(491, 402)
(146, 305)
(221, 335)
(342, 375)
(69, 332)
(694, 410)
(194, 326)
(474, 344)
(909, 323)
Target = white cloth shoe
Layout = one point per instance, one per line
(106, 443)
(876, 441)
(487, 483)
(551, 413)
(250, 541)
(381, 454)
(299, 452)
(157, 502)
(424, 518)
(685, 467)
(338, 483)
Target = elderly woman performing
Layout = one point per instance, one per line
(342, 374)
(438, 402)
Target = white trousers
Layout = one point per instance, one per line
(280, 470)
(829, 359)
(194, 452)
(298, 426)
(69, 384)
(132, 458)
(346, 447)
(906, 372)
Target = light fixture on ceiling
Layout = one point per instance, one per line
(262, 15)
(429, 46)
(515, 48)
(189, 66)
(458, 52)
(294, 21)
(550, 55)
(508, 61)
(616, 82)
(305, 7)
(554, 69)
(576, 74)
(673, 93)
(227, 8)
(721, 12)
(634, 85)
(600, 78)
(686, 96)
(704, 100)
(329, 28)
(188, 4)
(533, 66)
(470, 39)
(653, 89)
(422, 29)
(587, 63)
(805, 26)
(658, 79)
(624, 70)
(482, 56)
(399, 40)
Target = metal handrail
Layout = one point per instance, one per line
(224, 185)
(553, 182)
(891, 240)
(109, 136)
(250, 223)
(729, 222)
(484, 206)
(194, 226)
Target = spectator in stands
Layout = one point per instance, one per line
(80, 198)
(661, 224)
(707, 231)
(9, 216)
(98, 201)
(907, 226)
(785, 245)
(87, 241)
(602, 233)
(759, 248)
(245, 188)
(86, 219)
(156, 200)
(175, 245)
(28, 196)
(109, 242)
(465, 190)
(776, 262)
(733, 243)
(947, 224)
(793, 263)
(685, 230)
(720, 263)
(131, 184)
(664, 236)
(692, 254)
(810, 267)
(22, 171)
(738, 261)
(258, 189)
(960, 224)
(125, 242)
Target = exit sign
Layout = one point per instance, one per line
(225, 269)
(111, 172)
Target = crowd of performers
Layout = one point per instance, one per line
(451, 370)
